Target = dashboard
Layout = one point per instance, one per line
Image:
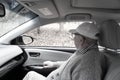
(10, 57)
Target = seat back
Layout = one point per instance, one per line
(109, 34)
(109, 38)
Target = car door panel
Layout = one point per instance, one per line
(36, 57)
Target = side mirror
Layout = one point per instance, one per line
(2, 10)
(27, 39)
(22, 40)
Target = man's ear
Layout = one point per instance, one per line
(83, 41)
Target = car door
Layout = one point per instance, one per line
(51, 43)
(36, 56)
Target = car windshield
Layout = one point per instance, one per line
(16, 15)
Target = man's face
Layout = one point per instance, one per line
(78, 40)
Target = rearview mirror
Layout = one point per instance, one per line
(2, 10)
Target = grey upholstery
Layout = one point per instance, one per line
(109, 38)
(113, 72)
(109, 34)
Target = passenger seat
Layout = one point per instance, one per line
(109, 38)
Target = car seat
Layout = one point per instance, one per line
(109, 39)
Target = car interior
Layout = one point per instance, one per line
(17, 60)
(110, 40)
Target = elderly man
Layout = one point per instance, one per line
(85, 64)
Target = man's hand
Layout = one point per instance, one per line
(49, 64)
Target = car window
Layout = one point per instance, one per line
(55, 34)
(16, 15)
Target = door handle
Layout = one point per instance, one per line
(34, 54)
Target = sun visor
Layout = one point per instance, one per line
(105, 4)
(43, 8)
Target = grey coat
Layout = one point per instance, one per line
(87, 64)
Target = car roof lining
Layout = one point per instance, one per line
(105, 4)
(63, 8)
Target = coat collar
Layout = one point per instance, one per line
(84, 50)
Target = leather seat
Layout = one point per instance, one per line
(110, 39)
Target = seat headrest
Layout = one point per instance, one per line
(109, 34)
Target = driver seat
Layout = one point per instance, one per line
(109, 39)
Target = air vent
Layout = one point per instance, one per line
(78, 17)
